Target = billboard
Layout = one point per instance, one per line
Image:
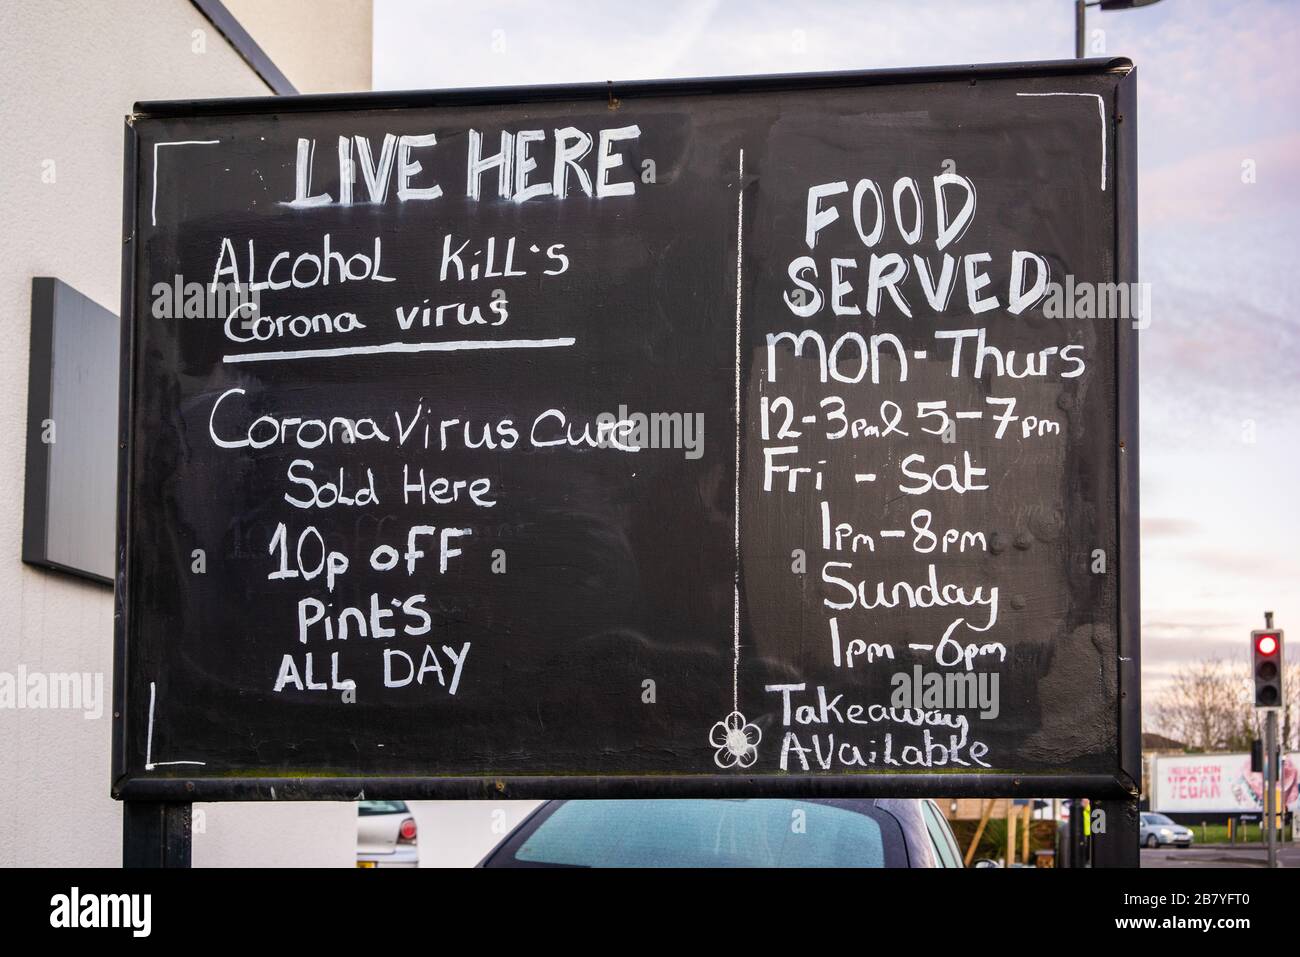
(1216, 783)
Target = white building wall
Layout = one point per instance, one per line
(69, 72)
(322, 46)
(460, 833)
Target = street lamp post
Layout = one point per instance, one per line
(1081, 17)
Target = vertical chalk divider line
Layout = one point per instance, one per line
(734, 740)
(735, 612)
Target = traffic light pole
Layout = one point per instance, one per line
(1271, 755)
(1270, 783)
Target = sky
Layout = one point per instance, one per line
(1219, 187)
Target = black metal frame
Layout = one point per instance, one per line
(140, 840)
(542, 787)
(1118, 846)
(1118, 789)
(611, 91)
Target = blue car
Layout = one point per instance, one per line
(1158, 830)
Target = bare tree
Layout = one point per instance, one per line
(1208, 707)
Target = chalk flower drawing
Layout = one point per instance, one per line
(736, 741)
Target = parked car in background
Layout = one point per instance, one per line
(730, 833)
(386, 835)
(1157, 830)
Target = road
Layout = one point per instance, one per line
(1219, 855)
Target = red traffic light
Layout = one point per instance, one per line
(1266, 665)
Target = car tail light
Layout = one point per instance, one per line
(406, 831)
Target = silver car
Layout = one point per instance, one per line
(1158, 830)
(386, 835)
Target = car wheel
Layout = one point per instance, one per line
(1152, 841)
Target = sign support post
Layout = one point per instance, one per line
(155, 834)
(1117, 844)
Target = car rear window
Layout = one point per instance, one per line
(711, 833)
(365, 808)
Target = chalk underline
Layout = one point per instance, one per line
(455, 345)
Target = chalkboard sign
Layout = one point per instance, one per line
(726, 437)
